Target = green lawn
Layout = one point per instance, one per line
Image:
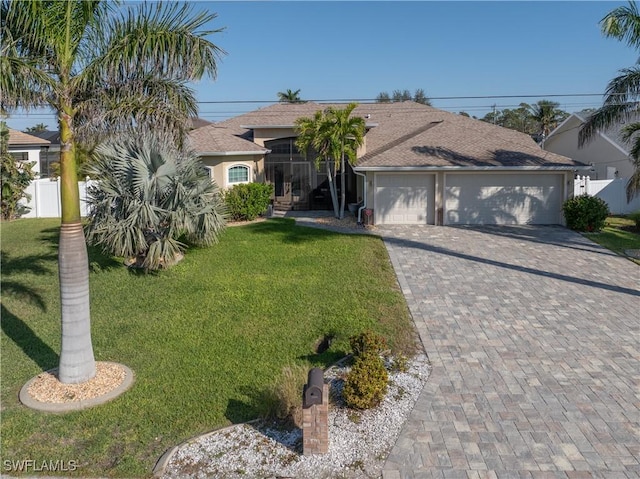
(204, 339)
(618, 235)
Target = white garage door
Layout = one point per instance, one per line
(402, 199)
(503, 199)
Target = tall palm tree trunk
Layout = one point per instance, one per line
(77, 363)
(343, 187)
(332, 189)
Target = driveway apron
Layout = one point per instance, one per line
(533, 336)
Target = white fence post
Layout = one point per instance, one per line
(613, 192)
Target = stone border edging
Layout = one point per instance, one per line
(30, 402)
(161, 464)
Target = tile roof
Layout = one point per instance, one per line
(220, 139)
(409, 134)
(18, 138)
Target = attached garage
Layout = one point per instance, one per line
(503, 198)
(404, 198)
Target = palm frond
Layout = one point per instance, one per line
(623, 23)
(633, 185)
(167, 40)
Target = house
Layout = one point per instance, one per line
(418, 165)
(607, 154)
(49, 154)
(27, 148)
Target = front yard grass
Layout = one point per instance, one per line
(618, 235)
(204, 339)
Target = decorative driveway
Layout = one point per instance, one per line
(533, 335)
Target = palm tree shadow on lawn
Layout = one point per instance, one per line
(27, 340)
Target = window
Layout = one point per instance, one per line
(238, 174)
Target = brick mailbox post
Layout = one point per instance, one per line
(315, 414)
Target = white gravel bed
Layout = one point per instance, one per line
(359, 441)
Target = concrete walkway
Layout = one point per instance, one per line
(533, 334)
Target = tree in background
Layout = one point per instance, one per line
(622, 97)
(14, 177)
(289, 96)
(150, 195)
(102, 70)
(403, 95)
(523, 119)
(37, 128)
(547, 115)
(383, 97)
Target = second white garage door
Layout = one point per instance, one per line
(403, 199)
(495, 198)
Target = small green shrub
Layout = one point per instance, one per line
(367, 342)
(366, 383)
(245, 202)
(399, 364)
(585, 213)
(635, 216)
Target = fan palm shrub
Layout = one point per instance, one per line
(150, 200)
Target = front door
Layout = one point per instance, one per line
(292, 184)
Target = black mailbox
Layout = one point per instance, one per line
(312, 393)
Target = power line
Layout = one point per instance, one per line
(363, 100)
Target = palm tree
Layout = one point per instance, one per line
(347, 135)
(622, 96)
(103, 70)
(289, 96)
(335, 135)
(313, 135)
(547, 114)
(149, 196)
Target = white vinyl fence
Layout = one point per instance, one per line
(613, 192)
(45, 199)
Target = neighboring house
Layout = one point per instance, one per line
(607, 154)
(27, 148)
(49, 154)
(418, 165)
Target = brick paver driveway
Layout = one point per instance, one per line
(533, 334)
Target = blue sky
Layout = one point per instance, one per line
(355, 50)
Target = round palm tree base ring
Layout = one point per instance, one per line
(45, 393)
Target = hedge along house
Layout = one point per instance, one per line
(418, 165)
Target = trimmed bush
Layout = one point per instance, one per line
(368, 342)
(366, 383)
(585, 213)
(247, 201)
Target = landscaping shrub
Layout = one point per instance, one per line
(585, 213)
(245, 202)
(635, 216)
(366, 383)
(283, 398)
(368, 343)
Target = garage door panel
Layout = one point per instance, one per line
(503, 199)
(404, 199)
